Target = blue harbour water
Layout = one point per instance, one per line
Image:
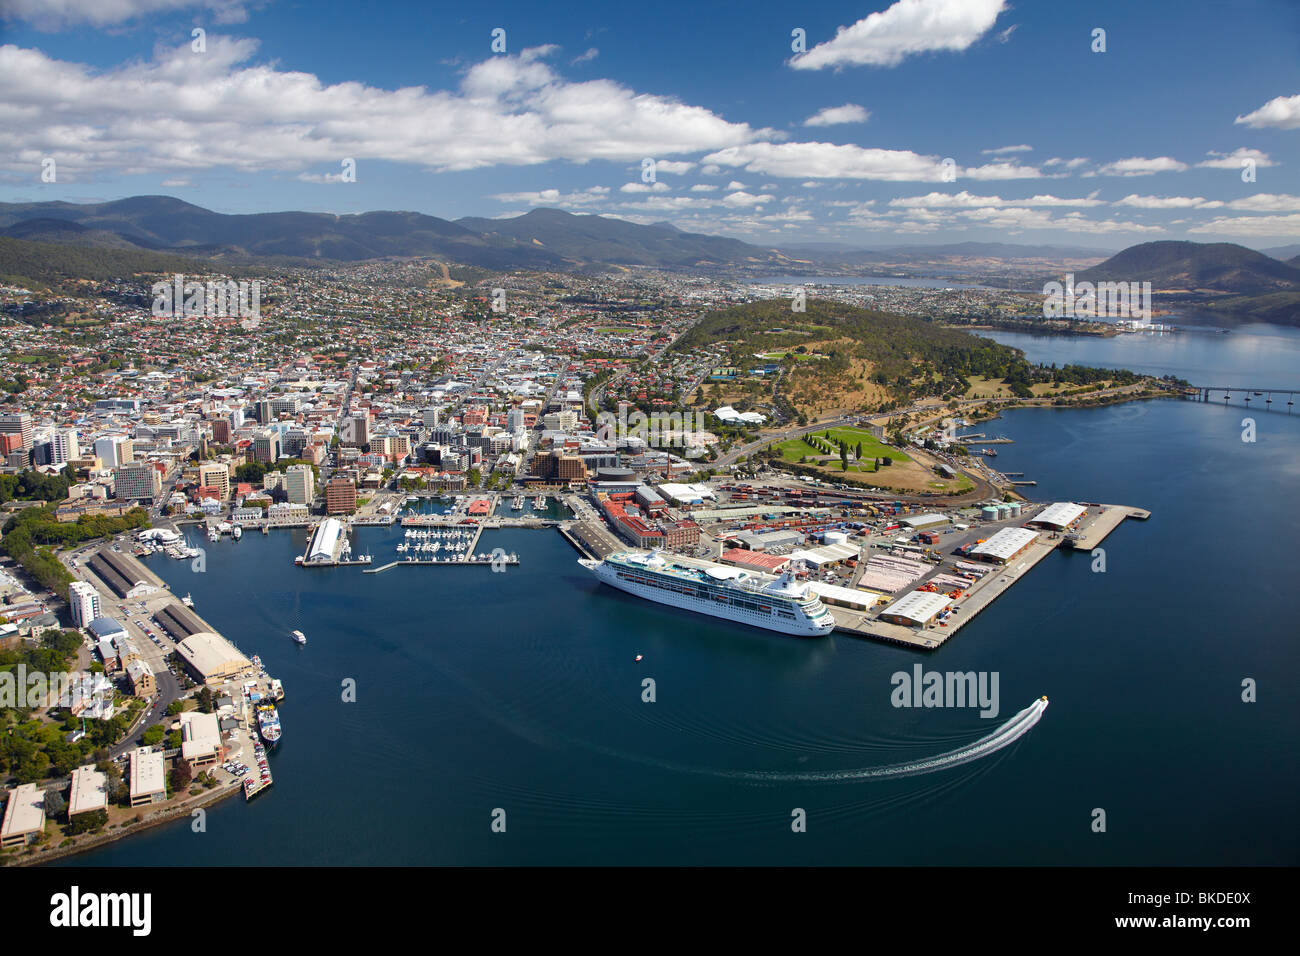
(519, 690)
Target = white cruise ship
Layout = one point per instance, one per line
(779, 605)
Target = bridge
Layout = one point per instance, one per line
(1270, 399)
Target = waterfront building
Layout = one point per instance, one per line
(1059, 516)
(89, 791)
(1007, 544)
(916, 608)
(24, 819)
(340, 496)
(211, 659)
(147, 779)
(200, 739)
(83, 602)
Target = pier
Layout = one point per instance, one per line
(1101, 520)
(1094, 529)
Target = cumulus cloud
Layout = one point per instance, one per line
(963, 199)
(1234, 159)
(907, 28)
(655, 187)
(1001, 171)
(837, 115)
(1140, 166)
(554, 197)
(58, 14)
(673, 167)
(179, 112)
(1267, 202)
(829, 161)
(1281, 112)
(1280, 226)
(1168, 202)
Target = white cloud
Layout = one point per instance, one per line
(735, 184)
(1282, 112)
(591, 54)
(836, 115)
(180, 112)
(1281, 226)
(907, 28)
(657, 187)
(1140, 166)
(1168, 202)
(743, 198)
(1267, 202)
(1001, 171)
(963, 199)
(1234, 159)
(829, 161)
(703, 188)
(673, 167)
(57, 14)
(553, 197)
(1003, 150)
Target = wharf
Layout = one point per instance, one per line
(472, 561)
(980, 595)
(591, 538)
(1094, 528)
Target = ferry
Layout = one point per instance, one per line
(237, 532)
(782, 604)
(299, 637)
(268, 724)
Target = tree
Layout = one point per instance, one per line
(153, 735)
(89, 822)
(55, 805)
(181, 775)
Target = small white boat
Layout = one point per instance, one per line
(299, 637)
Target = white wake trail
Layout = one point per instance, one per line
(1005, 735)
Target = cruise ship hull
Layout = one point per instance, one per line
(707, 605)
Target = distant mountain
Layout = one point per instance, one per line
(541, 239)
(618, 242)
(1294, 262)
(1195, 266)
(953, 250)
(1285, 253)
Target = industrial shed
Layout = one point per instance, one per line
(1059, 516)
(915, 608)
(1005, 545)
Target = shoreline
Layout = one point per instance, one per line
(156, 819)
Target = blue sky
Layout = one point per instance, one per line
(1049, 141)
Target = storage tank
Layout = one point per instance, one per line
(1015, 509)
(834, 537)
(989, 512)
(1004, 512)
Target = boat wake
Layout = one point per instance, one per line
(1007, 734)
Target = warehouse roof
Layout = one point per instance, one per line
(211, 655)
(918, 606)
(1060, 514)
(1006, 543)
(924, 521)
